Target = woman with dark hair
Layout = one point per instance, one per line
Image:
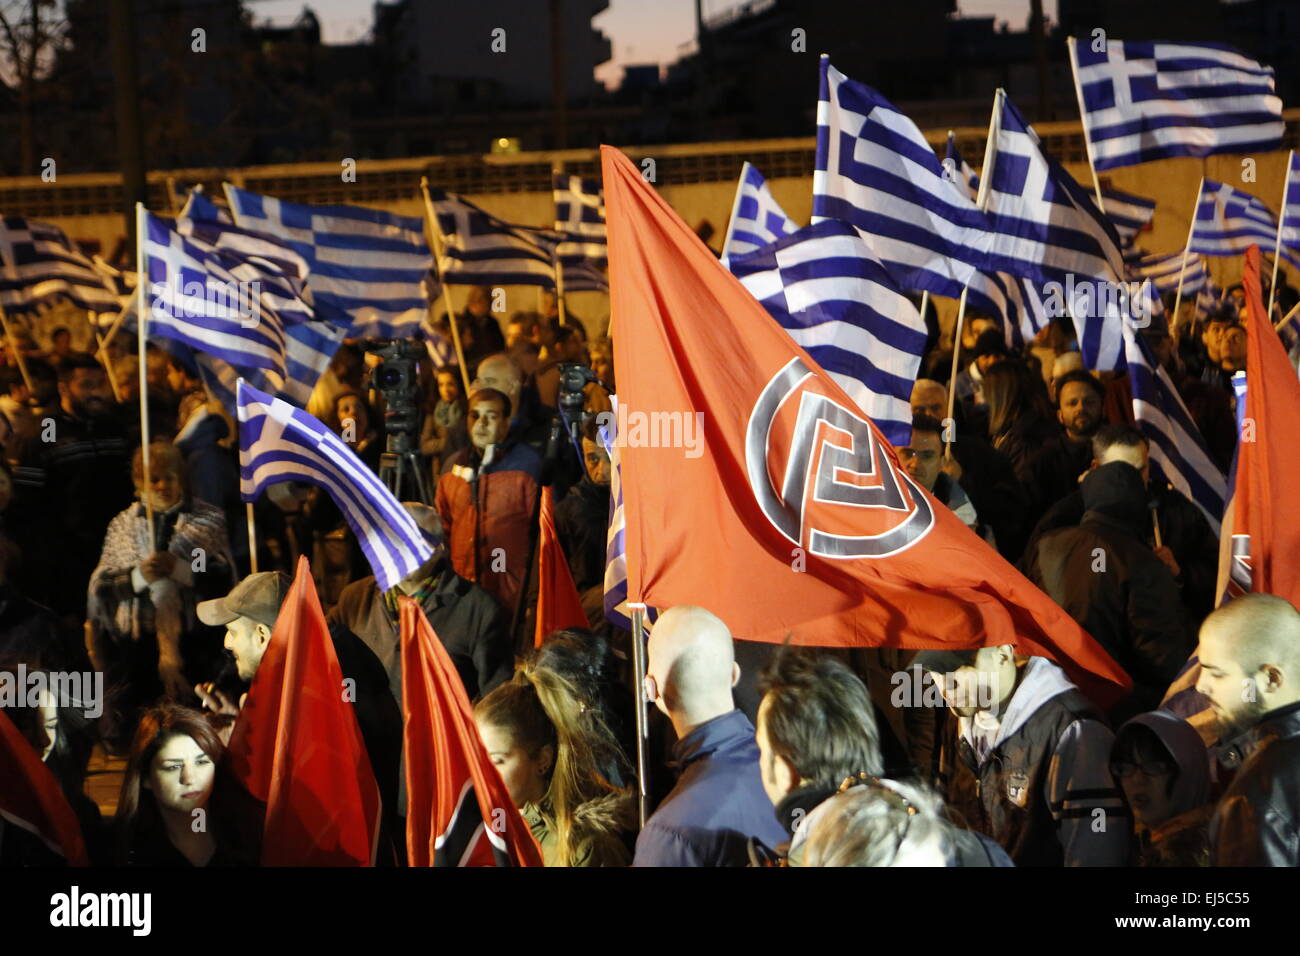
(548, 746)
(1161, 764)
(168, 813)
(146, 635)
(354, 421)
(1020, 416)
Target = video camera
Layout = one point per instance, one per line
(397, 379)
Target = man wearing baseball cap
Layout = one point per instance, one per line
(1028, 764)
(248, 614)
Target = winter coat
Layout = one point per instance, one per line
(1182, 839)
(717, 804)
(482, 513)
(1045, 778)
(1257, 823)
(598, 826)
(1104, 576)
(582, 523)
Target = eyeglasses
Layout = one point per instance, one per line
(1125, 769)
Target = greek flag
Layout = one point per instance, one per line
(367, 266)
(1046, 226)
(1177, 451)
(278, 443)
(1229, 221)
(1128, 213)
(1014, 299)
(210, 300)
(580, 219)
(1163, 271)
(199, 207)
(480, 249)
(875, 171)
(824, 287)
(1291, 211)
(309, 348)
(756, 219)
(616, 609)
(1150, 100)
(39, 265)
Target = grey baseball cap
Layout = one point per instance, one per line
(257, 597)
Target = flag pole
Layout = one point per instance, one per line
(1277, 245)
(1083, 121)
(1191, 231)
(642, 726)
(1287, 318)
(735, 208)
(436, 235)
(252, 537)
(103, 357)
(981, 201)
(141, 332)
(559, 284)
(17, 352)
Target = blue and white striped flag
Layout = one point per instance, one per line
(1128, 213)
(216, 302)
(1229, 221)
(278, 443)
(39, 265)
(756, 219)
(1291, 211)
(309, 348)
(616, 609)
(875, 170)
(1013, 299)
(580, 219)
(824, 287)
(199, 207)
(1163, 271)
(1045, 225)
(1177, 450)
(480, 249)
(1149, 100)
(368, 267)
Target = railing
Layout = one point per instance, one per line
(380, 181)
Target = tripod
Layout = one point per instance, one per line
(400, 470)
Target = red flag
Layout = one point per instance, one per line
(297, 746)
(789, 514)
(31, 798)
(558, 603)
(451, 785)
(1265, 537)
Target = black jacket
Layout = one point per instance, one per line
(581, 521)
(1257, 823)
(1104, 576)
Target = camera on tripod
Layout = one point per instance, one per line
(397, 379)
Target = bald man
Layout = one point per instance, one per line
(719, 801)
(1250, 670)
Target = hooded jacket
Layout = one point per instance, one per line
(1257, 823)
(1183, 838)
(1045, 778)
(1104, 576)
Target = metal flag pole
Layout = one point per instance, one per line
(435, 234)
(1277, 245)
(1083, 120)
(1178, 299)
(141, 331)
(642, 725)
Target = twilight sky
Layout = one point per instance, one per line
(639, 32)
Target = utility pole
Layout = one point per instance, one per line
(126, 87)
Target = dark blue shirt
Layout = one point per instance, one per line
(718, 803)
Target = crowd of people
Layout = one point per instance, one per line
(758, 754)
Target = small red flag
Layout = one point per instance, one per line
(458, 811)
(558, 603)
(31, 798)
(754, 486)
(1266, 537)
(297, 746)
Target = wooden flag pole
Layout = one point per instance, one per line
(1287, 318)
(141, 331)
(1277, 245)
(103, 357)
(1178, 300)
(435, 234)
(735, 208)
(952, 378)
(559, 286)
(642, 725)
(1083, 121)
(252, 536)
(15, 350)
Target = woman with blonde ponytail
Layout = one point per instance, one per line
(547, 744)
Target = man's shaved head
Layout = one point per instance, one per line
(692, 665)
(930, 398)
(1249, 653)
(499, 371)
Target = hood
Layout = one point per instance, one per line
(1192, 788)
(1116, 491)
(1041, 681)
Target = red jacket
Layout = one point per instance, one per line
(497, 511)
